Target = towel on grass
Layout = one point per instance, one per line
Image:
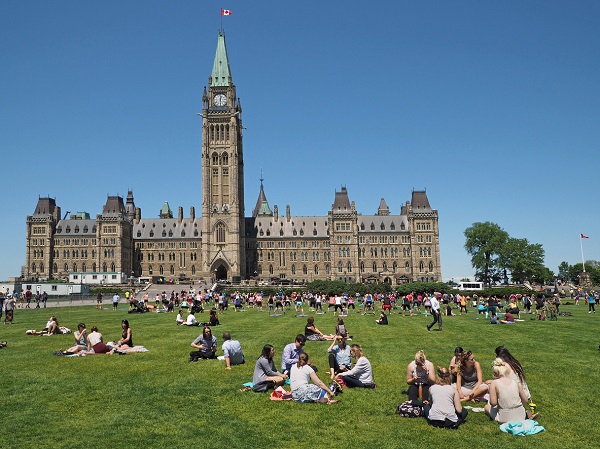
(522, 428)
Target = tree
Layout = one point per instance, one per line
(571, 273)
(524, 261)
(564, 271)
(484, 242)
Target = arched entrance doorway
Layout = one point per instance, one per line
(220, 272)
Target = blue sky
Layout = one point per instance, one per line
(493, 107)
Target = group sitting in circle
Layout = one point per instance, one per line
(507, 395)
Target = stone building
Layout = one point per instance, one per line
(225, 244)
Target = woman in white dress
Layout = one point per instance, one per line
(302, 390)
(507, 398)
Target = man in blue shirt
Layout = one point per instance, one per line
(232, 351)
(291, 353)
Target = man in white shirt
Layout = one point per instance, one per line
(191, 319)
(435, 313)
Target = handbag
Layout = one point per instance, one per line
(410, 409)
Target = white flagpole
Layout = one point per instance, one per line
(582, 259)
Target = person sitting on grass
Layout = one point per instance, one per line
(179, 320)
(361, 375)
(383, 320)
(125, 341)
(291, 352)
(80, 340)
(213, 318)
(266, 377)
(420, 375)
(95, 342)
(302, 390)
(206, 345)
(507, 398)
(341, 329)
(444, 408)
(509, 318)
(339, 356)
(314, 334)
(191, 319)
(232, 351)
(469, 376)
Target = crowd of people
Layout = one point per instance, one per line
(442, 390)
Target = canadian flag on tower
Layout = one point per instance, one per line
(583, 236)
(226, 12)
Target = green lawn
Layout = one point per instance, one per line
(158, 399)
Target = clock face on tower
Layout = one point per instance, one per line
(220, 100)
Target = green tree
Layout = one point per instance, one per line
(484, 243)
(564, 271)
(524, 261)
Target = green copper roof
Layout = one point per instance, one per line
(265, 210)
(165, 212)
(220, 71)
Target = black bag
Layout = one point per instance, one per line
(263, 387)
(335, 388)
(410, 409)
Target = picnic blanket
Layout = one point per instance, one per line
(135, 349)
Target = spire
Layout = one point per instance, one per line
(383, 208)
(262, 208)
(166, 212)
(130, 205)
(221, 75)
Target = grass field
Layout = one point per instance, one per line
(159, 399)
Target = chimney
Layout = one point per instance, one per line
(192, 213)
(287, 212)
(179, 214)
(275, 213)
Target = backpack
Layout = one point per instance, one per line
(410, 409)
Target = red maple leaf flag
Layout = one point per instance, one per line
(583, 236)
(226, 12)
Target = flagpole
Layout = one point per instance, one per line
(582, 259)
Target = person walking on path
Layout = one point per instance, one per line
(116, 301)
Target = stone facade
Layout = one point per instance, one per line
(223, 243)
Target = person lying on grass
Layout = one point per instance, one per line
(51, 328)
